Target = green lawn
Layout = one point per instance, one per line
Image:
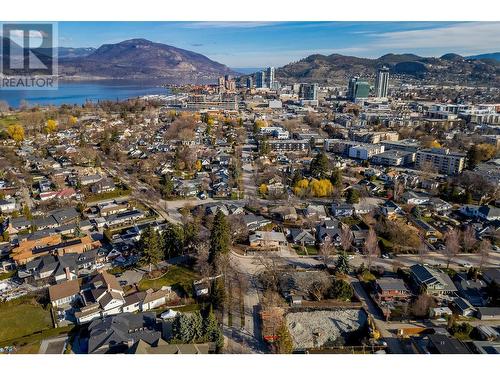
(180, 278)
(5, 121)
(7, 275)
(311, 250)
(109, 195)
(22, 318)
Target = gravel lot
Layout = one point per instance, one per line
(311, 329)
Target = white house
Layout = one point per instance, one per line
(153, 298)
(411, 197)
(65, 293)
(7, 205)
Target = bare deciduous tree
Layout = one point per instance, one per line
(452, 246)
(319, 287)
(421, 306)
(469, 238)
(326, 250)
(371, 246)
(422, 250)
(345, 238)
(201, 265)
(484, 253)
(399, 190)
(269, 277)
(239, 229)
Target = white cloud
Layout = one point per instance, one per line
(467, 36)
(221, 25)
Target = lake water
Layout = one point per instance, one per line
(79, 92)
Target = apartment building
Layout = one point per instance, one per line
(441, 159)
(288, 145)
(394, 158)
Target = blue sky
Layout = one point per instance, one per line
(259, 44)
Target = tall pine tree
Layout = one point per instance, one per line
(220, 237)
(151, 247)
(212, 331)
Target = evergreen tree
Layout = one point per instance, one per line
(342, 265)
(341, 290)
(297, 176)
(284, 342)
(197, 326)
(264, 147)
(320, 166)
(220, 237)
(173, 238)
(218, 294)
(352, 196)
(166, 186)
(336, 178)
(212, 331)
(182, 329)
(151, 247)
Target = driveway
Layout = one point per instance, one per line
(132, 277)
(54, 345)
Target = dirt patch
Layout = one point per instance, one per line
(314, 329)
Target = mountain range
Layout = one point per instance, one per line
(143, 59)
(449, 68)
(484, 56)
(136, 59)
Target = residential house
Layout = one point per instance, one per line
(342, 209)
(102, 296)
(267, 239)
(488, 213)
(285, 213)
(254, 222)
(90, 179)
(104, 185)
(126, 217)
(162, 347)
(390, 209)
(154, 299)
(116, 334)
(29, 250)
(442, 344)
(474, 291)
(7, 205)
(492, 275)
(488, 313)
(463, 307)
(328, 233)
(302, 237)
(391, 289)
(316, 211)
(65, 293)
(414, 198)
(431, 280)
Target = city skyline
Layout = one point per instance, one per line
(260, 44)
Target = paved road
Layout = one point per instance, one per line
(249, 180)
(250, 334)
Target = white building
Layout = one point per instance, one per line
(365, 151)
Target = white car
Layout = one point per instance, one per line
(385, 256)
(466, 264)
